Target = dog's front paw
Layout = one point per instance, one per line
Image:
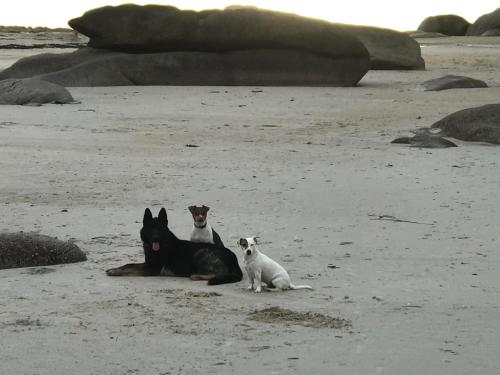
(250, 287)
(258, 289)
(114, 272)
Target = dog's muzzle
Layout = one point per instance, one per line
(249, 252)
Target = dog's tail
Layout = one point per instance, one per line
(226, 278)
(294, 287)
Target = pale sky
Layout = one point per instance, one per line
(395, 14)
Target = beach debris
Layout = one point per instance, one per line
(280, 315)
(395, 219)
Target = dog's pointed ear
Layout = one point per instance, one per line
(148, 216)
(191, 208)
(205, 208)
(162, 216)
(256, 240)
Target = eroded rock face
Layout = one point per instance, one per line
(267, 67)
(31, 249)
(452, 82)
(448, 24)
(31, 91)
(485, 23)
(480, 124)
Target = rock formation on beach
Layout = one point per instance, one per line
(448, 24)
(235, 46)
(31, 249)
(481, 124)
(32, 91)
(162, 45)
(486, 25)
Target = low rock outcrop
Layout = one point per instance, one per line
(480, 124)
(32, 91)
(452, 82)
(22, 249)
(268, 67)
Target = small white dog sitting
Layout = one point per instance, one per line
(261, 268)
(202, 231)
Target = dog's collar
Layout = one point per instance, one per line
(200, 226)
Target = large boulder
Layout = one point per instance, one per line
(452, 82)
(485, 23)
(32, 91)
(472, 124)
(389, 49)
(448, 24)
(21, 249)
(155, 28)
(162, 45)
(264, 67)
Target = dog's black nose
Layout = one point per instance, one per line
(249, 252)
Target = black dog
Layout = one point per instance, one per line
(167, 255)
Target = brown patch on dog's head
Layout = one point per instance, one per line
(199, 213)
(243, 243)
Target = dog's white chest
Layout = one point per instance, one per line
(202, 234)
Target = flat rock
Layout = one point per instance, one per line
(481, 124)
(452, 82)
(389, 49)
(264, 67)
(447, 24)
(422, 34)
(32, 91)
(483, 24)
(31, 250)
(425, 141)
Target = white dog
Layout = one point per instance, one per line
(261, 268)
(202, 231)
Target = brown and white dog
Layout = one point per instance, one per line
(202, 231)
(261, 268)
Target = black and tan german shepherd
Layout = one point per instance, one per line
(167, 255)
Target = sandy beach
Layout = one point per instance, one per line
(400, 242)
